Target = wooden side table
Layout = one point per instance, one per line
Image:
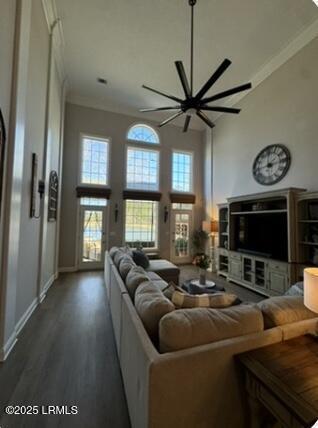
(282, 380)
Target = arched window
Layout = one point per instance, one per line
(143, 133)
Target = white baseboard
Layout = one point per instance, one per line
(7, 348)
(5, 351)
(47, 286)
(23, 320)
(68, 269)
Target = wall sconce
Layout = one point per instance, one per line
(166, 213)
(116, 213)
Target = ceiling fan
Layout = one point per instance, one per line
(196, 104)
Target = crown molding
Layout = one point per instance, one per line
(55, 29)
(303, 39)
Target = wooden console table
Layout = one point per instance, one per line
(282, 380)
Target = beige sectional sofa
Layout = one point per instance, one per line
(190, 378)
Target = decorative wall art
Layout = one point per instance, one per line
(2, 149)
(53, 196)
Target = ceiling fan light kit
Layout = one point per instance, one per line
(196, 104)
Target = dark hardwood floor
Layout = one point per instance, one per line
(66, 355)
(245, 294)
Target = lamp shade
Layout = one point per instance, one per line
(214, 226)
(206, 226)
(311, 289)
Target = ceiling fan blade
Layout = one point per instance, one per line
(227, 93)
(171, 118)
(186, 123)
(215, 76)
(178, 100)
(221, 109)
(144, 110)
(205, 119)
(183, 78)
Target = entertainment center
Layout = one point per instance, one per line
(266, 239)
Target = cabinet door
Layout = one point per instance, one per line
(260, 274)
(235, 270)
(248, 270)
(277, 281)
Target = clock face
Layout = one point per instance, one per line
(271, 164)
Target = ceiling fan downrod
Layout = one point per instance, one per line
(192, 3)
(196, 104)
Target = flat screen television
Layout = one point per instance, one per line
(265, 235)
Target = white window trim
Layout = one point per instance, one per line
(187, 152)
(108, 175)
(146, 250)
(128, 146)
(140, 141)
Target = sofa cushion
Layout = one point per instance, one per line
(153, 276)
(157, 280)
(135, 276)
(113, 251)
(216, 300)
(151, 305)
(141, 258)
(185, 328)
(126, 263)
(118, 256)
(284, 310)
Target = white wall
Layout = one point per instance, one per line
(27, 259)
(34, 143)
(79, 119)
(283, 109)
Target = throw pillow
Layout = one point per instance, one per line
(170, 289)
(151, 305)
(141, 259)
(135, 276)
(217, 300)
(125, 264)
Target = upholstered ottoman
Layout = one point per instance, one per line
(165, 269)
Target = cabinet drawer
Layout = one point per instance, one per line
(279, 267)
(223, 252)
(235, 256)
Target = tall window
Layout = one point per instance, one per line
(182, 171)
(141, 224)
(142, 169)
(143, 134)
(94, 165)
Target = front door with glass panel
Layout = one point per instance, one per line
(92, 237)
(181, 234)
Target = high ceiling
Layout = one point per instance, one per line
(135, 42)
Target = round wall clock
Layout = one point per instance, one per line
(271, 164)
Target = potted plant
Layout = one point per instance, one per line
(198, 240)
(203, 262)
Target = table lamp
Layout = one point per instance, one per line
(311, 289)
